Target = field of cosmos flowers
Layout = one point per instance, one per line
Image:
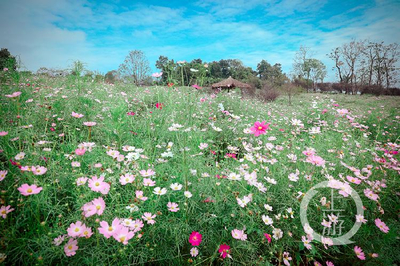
(101, 174)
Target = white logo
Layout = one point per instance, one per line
(343, 239)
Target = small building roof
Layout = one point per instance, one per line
(230, 83)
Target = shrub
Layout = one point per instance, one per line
(268, 94)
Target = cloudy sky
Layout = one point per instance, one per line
(54, 33)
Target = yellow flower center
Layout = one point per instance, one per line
(110, 228)
(29, 190)
(98, 207)
(122, 238)
(3, 212)
(77, 229)
(70, 247)
(259, 128)
(97, 184)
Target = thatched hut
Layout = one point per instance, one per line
(230, 83)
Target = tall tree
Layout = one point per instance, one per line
(135, 67)
(7, 60)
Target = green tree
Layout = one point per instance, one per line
(7, 60)
(272, 74)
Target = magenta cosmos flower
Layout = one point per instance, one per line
(195, 238)
(224, 250)
(259, 128)
(27, 190)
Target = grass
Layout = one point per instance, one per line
(48, 135)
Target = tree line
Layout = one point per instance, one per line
(360, 66)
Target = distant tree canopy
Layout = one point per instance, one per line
(307, 68)
(7, 60)
(135, 67)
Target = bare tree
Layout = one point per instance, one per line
(336, 55)
(352, 53)
(135, 66)
(389, 65)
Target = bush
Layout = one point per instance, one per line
(268, 94)
(111, 76)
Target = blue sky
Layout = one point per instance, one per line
(54, 33)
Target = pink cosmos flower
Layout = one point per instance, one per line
(224, 250)
(259, 128)
(139, 195)
(147, 173)
(113, 153)
(239, 234)
(360, 254)
(137, 225)
(126, 179)
(315, 160)
(194, 252)
(4, 210)
(309, 152)
(286, 258)
(172, 207)
(353, 180)
(197, 87)
(75, 229)
(147, 182)
(89, 124)
(88, 209)
(3, 174)
(195, 238)
(81, 181)
(27, 190)
(342, 111)
(98, 185)
(148, 217)
(3, 133)
(329, 263)
(58, 240)
(371, 195)
(71, 247)
(80, 151)
(86, 231)
(108, 230)
(76, 115)
(381, 225)
(75, 164)
(122, 234)
(14, 95)
(39, 170)
(99, 205)
(324, 111)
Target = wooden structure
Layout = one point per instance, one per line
(230, 83)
